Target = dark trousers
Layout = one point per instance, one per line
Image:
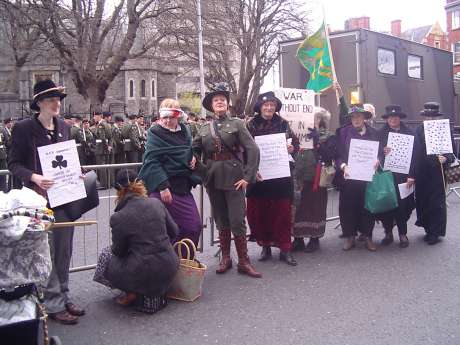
(61, 245)
(118, 158)
(3, 184)
(398, 217)
(103, 174)
(354, 217)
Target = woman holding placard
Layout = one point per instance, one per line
(269, 202)
(430, 162)
(399, 216)
(45, 128)
(310, 165)
(354, 217)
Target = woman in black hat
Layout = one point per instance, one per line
(354, 217)
(141, 261)
(399, 216)
(45, 128)
(269, 203)
(430, 195)
(219, 144)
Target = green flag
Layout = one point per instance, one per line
(313, 54)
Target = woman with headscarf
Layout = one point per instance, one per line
(219, 145)
(168, 166)
(400, 215)
(45, 128)
(269, 202)
(354, 217)
(430, 193)
(141, 261)
(310, 215)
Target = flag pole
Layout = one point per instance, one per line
(331, 57)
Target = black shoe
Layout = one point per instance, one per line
(288, 258)
(388, 239)
(312, 246)
(432, 240)
(266, 254)
(403, 241)
(362, 238)
(298, 244)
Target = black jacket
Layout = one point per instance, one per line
(144, 261)
(27, 135)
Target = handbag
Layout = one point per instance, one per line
(327, 175)
(381, 194)
(453, 172)
(187, 284)
(77, 208)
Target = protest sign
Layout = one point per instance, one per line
(298, 109)
(274, 159)
(400, 156)
(361, 159)
(60, 162)
(437, 137)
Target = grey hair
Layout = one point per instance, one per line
(322, 115)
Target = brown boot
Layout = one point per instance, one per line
(244, 265)
(349, 243)
(225, 239)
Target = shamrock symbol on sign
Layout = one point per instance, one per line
(59, 162)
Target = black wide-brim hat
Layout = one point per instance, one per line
(431, 109)
(394, 110)
(359, 109)
(218, 89)
(46, 89)
(267, 97)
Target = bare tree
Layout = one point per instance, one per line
(94, 38)
(19, 40)
(241, 41)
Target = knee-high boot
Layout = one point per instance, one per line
(225, 239)
(244, 265)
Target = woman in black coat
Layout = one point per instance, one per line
(142, 261)
(430, 194)
(400, 215)
(45, 128)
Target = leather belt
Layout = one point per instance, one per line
(221, 156)
(98, 141)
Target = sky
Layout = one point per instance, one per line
(413, 13)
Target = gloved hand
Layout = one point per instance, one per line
(314, 135)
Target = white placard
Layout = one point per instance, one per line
(361, 159)
(437, 137)
(400, 156)
(60, 162)
(274, 160)
(298, 109)
(405, 191)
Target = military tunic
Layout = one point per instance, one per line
(3, 163)
(103, 134)
(224, 164)
(76, 133)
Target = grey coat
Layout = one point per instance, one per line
(144, 261)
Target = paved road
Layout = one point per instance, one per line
(393, 296)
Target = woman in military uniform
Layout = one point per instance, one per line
(219, 144)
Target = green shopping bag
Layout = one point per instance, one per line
(381, 193)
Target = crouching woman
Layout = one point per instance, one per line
(141, 261)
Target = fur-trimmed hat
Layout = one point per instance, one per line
(267, 97)
(218, 89)
(431, 109)
(46, 89)
(393, 110)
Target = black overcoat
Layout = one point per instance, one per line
(27, 135)
(144, 261)
(430, 196)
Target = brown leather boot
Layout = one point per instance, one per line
(244, 265)
(225, 239)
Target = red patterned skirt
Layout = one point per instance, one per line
(270, 221)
